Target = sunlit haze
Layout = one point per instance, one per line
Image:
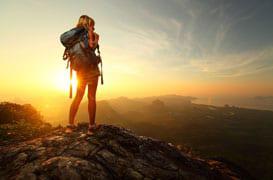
(200, 48)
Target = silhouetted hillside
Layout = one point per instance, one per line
(14, 113)
(20, 122)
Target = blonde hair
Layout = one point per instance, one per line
(85, 21)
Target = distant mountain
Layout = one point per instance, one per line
(105, 112)
(124, 104)
(257, 102)
(170, 100)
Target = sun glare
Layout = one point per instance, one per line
(63, 80)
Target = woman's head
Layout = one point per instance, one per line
(86, 22)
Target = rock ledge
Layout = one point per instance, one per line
(111, 153)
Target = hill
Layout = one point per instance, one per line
(20, 122)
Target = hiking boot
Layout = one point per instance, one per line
(91, 129)
(70, 128)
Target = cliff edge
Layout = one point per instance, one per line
(111, 153)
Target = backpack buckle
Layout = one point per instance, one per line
(66, 54)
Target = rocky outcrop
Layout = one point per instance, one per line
(111, 153)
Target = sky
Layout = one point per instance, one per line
(149, 47)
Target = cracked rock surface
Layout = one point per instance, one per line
(111, 153)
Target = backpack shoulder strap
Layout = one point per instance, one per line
(65, 55)
(98, 49)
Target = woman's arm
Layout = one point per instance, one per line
(94, 40)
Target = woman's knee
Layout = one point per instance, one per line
(92, 88)
(91, 97)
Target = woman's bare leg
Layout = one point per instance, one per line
(76, 102)
(92, 88)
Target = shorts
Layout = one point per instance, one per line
(88, 76)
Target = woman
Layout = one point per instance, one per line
(86, 77)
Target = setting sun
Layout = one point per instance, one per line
(62, 80)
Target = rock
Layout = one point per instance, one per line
(111, 153)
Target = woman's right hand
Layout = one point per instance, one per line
(94, 39)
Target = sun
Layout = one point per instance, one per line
(62, 80)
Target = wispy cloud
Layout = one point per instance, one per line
(234, 65)
(195, 40)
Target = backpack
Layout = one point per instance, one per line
(78, 53)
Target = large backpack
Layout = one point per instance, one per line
(77, 51)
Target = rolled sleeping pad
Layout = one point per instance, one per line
(69, 38)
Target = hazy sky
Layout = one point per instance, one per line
(149, 47)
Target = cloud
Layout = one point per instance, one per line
(195, 41)
(234, 65)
